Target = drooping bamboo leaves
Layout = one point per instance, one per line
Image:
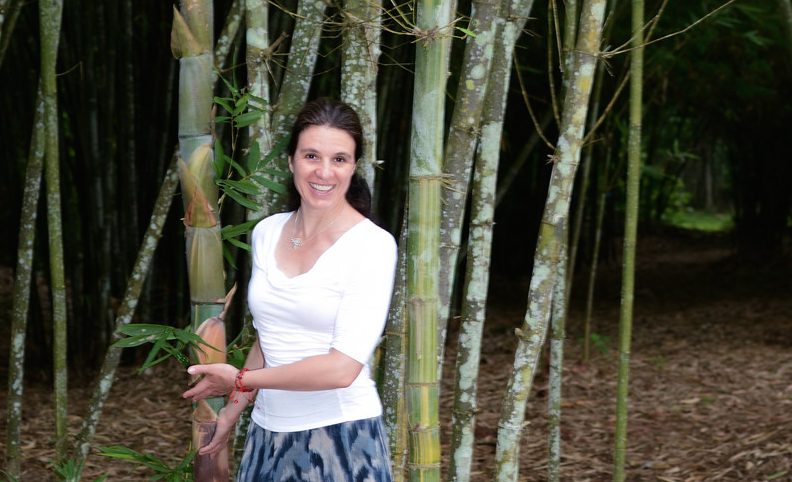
(630, 239)
(426, 142)
(548, 250)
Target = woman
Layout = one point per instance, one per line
(319, 294)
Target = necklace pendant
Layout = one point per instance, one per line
(296, 242)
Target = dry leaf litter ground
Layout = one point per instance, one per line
(710, 380)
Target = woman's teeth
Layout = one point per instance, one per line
(321, 188)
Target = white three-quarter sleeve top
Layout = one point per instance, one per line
(341, 303)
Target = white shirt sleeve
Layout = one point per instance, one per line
(367, 294)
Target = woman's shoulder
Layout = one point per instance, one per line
(374, 237)
(270, 222)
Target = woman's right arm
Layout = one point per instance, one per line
(229, 415)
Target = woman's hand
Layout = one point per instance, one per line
(218, 379)
(226, 419)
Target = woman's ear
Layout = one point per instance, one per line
(291, 169)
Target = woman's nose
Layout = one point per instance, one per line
(323, 169)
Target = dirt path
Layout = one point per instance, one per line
(710, 397)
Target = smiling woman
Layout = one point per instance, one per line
(319, 293)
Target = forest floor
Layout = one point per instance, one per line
(710, 380)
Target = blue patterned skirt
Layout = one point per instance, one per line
(346, 452)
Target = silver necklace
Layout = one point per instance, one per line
(297, 242)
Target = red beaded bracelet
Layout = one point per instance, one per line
(239, 387)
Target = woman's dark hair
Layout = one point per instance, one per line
(336, 114)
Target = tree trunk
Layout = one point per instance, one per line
(297, 80)
(423, 238)
(8, 18)
(474, 309)
(391, 383)
(106, 375)
(463, 137)
(258, 58)
(192, 44)
(22, 282)
(359, 74)
(547, 255)
(630, 239)
(50, 12)
(557, 339)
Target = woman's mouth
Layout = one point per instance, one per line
(320, 187)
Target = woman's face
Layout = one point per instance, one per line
(323, 164)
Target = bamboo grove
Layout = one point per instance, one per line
(474, 112)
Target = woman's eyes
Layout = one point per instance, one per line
(313, 157)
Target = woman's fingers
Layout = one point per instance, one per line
(218, 379)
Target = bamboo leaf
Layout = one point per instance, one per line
(242, 200)
(160, 343)
(467, 32)
(232, 231)
(277, 173)
(254, 157)
(277, 149)
(143, 329)
(244, 186)
(229, 257)
(134, 341)
(237, 167)
(177, 353)
(219, 161)
(225, 103)
(248, 118)
(239, 244)
(270, 184)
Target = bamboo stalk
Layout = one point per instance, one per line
(22, 277)
(192, 43)
(630, 240)
(50, 12)
(423, 238)
(106, 375)
(548, 250)
(310, 18)
(463, 136)
(391, 385)
(359, 74)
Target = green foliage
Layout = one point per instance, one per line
(700, 221)
(172, 341)
(182, 472)
(601, 342)
(71, 472)
(8, 477)
(242, 180)
(236, 352)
